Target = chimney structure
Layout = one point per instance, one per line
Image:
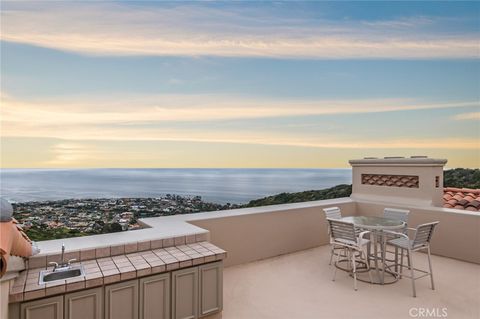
(416, 181)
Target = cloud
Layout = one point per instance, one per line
(467, 116)
(402, 23)
(201, 30)
(157, 118)
(138, 109)
(71, 152)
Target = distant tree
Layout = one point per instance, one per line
(115, 228)
(338, 191)
(41, 232)
(459, 177)
(462, 178)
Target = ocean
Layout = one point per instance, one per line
(213, 185)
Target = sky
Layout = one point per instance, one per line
(242, 84)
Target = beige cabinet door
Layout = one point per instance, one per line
(121, 300)
(155, 297)
(185, 293)
(84, 304)
(47, 308)
(210, 278)
(13, 311)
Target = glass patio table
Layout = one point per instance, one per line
(376, 225)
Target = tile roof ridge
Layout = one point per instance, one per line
(462, 190)
(452, 189)
(471, 190)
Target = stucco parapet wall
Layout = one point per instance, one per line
(398, 162)
(158, 221)
(457, 235)
(432, 209)
(167, 227)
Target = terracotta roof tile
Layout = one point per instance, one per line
(474, 203)
(462, 198)
(452, 202)
(464, 202)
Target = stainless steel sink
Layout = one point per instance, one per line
(47, 276)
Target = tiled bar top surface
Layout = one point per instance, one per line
(107, 270)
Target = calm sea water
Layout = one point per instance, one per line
(214, 185)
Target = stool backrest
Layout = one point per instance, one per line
(333, 212)
(395, 213)
(341, 231)
(424, 234)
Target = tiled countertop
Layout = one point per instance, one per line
(107, 270)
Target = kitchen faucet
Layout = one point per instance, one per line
(63, 265)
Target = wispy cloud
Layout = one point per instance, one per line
(402, 23)
(145, 118)
(138, 109)
(70, 152)
(195, 30)
(467, 116)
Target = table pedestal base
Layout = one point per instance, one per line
(388, 279)
(362, 273)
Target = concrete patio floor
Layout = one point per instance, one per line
(299, 286)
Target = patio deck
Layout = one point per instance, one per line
(299, 286)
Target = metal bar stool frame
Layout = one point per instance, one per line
(344, 235)
(421, 241)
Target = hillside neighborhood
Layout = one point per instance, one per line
(78, 217)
